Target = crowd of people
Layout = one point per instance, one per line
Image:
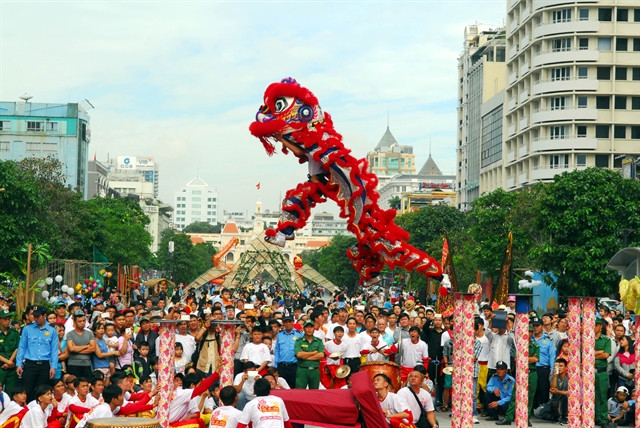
(84, 360)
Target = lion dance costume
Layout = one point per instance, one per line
(292, 115)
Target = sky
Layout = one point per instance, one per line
(180, 81)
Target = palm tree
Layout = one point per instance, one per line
(394, 202)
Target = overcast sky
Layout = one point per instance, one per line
(180, 81)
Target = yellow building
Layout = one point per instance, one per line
(413, 201)
(390, 158)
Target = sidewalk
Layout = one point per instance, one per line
(445, 421)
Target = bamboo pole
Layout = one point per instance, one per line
(25, 295)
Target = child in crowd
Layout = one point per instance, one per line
(179, 363)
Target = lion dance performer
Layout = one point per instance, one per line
(292, 116)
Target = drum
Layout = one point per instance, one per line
(123, 423)
(389, 368)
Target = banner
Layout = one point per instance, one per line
(502, 290)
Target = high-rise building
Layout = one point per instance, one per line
(134, 175)
(572, 99)
(42, 130)
(390, 158)
(195, 202)
(481, 73)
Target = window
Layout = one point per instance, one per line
(583, 72)
(622, 15)
(558, 132)
(636, 15)
(635, 103)
(51, 126)
(621, 73)
(583, 14)
(581, 131)
(563, 15)
(603, 102)
(5, 125)
(582, 101)
(5, 146)
(602, 161)
(559, 103)
(35, 126)
(604, 44)
(603, 73)
(581, 160)
(33, 147)
(620, 102)
(619, 131)
(49, 147)
(561, 45)
(602, 131)
(636, 45)
(195, 206)
(375, 162)
(635, 73)
(559, 161)
(621, 44)
(604, 14)
(561, 73)
(635, 132)
(583, 43)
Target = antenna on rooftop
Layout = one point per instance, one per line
(26, 97)
(388, 118)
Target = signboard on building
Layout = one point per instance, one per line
(134, 163)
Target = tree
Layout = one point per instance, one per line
(334, 264)
(202, 227)
(581, 215)
(188, 262)
(395, 202)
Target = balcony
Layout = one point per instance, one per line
(560, 27)
(524, 95)
(550, 57)
(512, 104)
(511, 156)
(524, 123)
(525, 14)
(522, 151)
(524, 69)
(513, 77)
(545, 144)
(546, 86)
(511, 130)
(522, 178)
(540, 116)
(539, 4)
(511, 182)
(524, 42)
(513, 26)
(547, 173)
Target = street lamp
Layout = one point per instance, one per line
(171, 260)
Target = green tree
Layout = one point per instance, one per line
(581, 215)
(188, 262)
(202, 227)
(395, 202)
(334, 264)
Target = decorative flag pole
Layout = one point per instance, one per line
(457, 389)
(462, 410)
(166, 351)
(637, 375)
(574, 367)
(227, 337)
(522, 361)
(588, 361)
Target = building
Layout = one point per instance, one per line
(324, 224)
(390, 158)
(414, 201)
(481, 73)
(134, 175)
(97, 180)
(572, 99)
(427, 179)
(60, 131)
(159, 219)
(195, 202)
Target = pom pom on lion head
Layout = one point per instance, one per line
(288, 107)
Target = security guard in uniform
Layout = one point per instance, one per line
(546, 360)
(309, 350)
(9, 339)
(603, 349)
(534, 354)
(499, 391)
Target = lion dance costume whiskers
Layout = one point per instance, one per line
(292, 115)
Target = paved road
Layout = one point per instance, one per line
(445, 422)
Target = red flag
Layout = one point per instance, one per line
(258, 186)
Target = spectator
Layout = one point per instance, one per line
(603, 349)
(82, 345)
(102, 356)
(146, 334)
(267, 411)
(38, 413)
(37, 356)
(284, 356)
(309, 350)
(625, 363)
(499, 390)
(9, 340)
(418, 399)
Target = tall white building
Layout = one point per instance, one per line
(195, 202)
(573, 88)
(134, 175)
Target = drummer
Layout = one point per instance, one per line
(413, 352)
(334, 349)
(375, 349)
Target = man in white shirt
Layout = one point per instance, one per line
(395, 409)
(256, 351)
(413, 351)
(226, 415)
(417, 398)
(264, 411)
(113, 398)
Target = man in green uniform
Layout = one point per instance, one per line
(9, 340)
(309, 350)
(603, 349)
(534, 354)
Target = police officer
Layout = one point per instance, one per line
(603, 349)
(546, 359)
(9, 339)
(499, 390)
(534, 354)
(309, 350)
(37, 353)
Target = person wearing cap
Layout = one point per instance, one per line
(545, 361)
(616, 410)
(511, 304)
(61, 311)
(309, 350)
(81, 344)
(146, 334)
(603, 350)
(9, 340)
(37, 356)
(499, 390)
(284, 356)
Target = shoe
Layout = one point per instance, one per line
(564, 422)
(278, 240)
(503, 422)
(371, 281)
(493, 418)
(529, 424)
(475, 420)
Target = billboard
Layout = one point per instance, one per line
(135, 163)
